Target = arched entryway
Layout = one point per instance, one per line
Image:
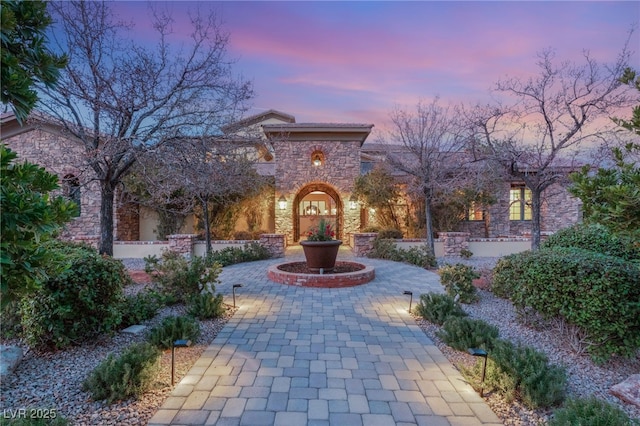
(314, 202)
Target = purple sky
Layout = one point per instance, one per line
(355, 61)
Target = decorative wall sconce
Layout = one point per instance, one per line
(282, 202)
(353, 202)
(317, 158)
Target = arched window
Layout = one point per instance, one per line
(71, 187)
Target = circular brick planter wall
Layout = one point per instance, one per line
(337, 280)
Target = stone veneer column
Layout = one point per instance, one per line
(454, 242)
(275, 243)
(363, 243)
(182, 243)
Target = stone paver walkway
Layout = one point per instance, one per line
(312, 356)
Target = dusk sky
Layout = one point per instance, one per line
(354, 61)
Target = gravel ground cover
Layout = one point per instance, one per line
(53, 380)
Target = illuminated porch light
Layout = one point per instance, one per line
(282, 202)
(353, 202)
(317, 160)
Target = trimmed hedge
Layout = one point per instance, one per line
(598, 293)
(78, 304)
(595, 238)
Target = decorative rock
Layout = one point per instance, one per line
(10, 357)
(629, 390)
(134, 329)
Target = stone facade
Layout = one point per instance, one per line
(296, 175)
(559, 210)
(49, 147)
(275, 243)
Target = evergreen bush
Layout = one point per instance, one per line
(595, 292)
(140, 307)
(387, 234)
(174, 328)
(180, 278)
(458, 281)
(205, 306)
(462, 333)
(597, 238)
(77, 304)
(523, 373)
(248, 253)
(418, 255)
(124, 376)
(437, 308)
(590, 412)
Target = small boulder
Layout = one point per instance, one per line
(10, 357)
(629, 390)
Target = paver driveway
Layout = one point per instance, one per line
(312, 356)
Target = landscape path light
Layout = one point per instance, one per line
(233, 290)
(183, 343)
(410, 294)
(481, 353)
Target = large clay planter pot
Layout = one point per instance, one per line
(321, 255)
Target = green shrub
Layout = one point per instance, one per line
(205, 306)
(466, 254)
(458, 281)
(371, 228)
(590, 412)
(538, 383)
(140, 307)
(129, 374)
(595, 292)
(508, 272)
(77, 304)
(417, 255)
(10, 319)
(57, 421)
(180, 278)
(462, 333)
(242, 235)
(595, 238)
(387, 234)
(437, 308)
(248, 253)
(172, 329)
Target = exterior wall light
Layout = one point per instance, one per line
(282, 202)
(353, 202)
(317, 158)
(481, 353)
(233, 290)
(177, 344)
(410, 294)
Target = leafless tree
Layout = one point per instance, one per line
(201, 172)
(545, 121)
(431, 152)
(121, 98)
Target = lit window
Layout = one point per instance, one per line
(519, 203)
(475, 212)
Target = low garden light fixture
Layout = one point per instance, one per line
(410, 294)
(233, 290)
(481, 353)
(353, 202)
(282, 202)
(177, 344)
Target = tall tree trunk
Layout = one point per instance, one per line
(536, 207)
(107, 191)
(428, 223)
(207, 224)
